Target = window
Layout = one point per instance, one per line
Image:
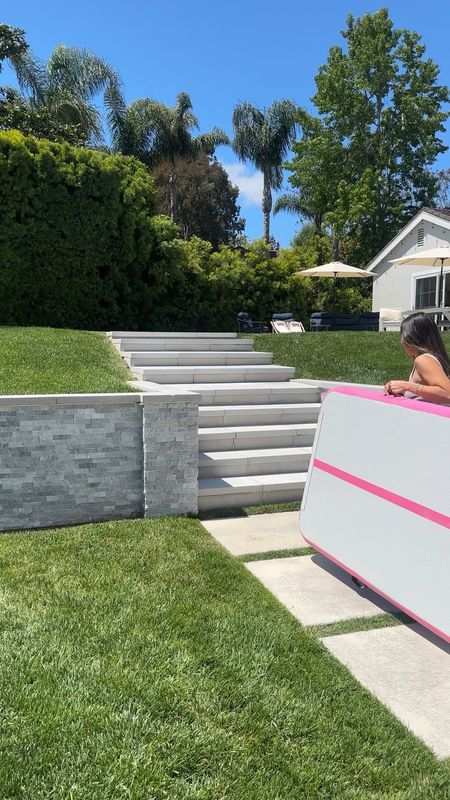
(446, 288)
(420, 237)
(426, 292)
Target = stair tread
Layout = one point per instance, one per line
(217, 367)
(184, 353)
(171, 335)
(255, 408)
(288, 426)
(206, 457)
(214, 485)
(262, 386)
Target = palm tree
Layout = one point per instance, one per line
(153, 132)
(264, 138)
(66, 88)
(14, 48)
(299, 204)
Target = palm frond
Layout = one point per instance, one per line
(264, 137)
(73, 110)
(31, 74)
(80, 71)
(291, 203)
(207, 142)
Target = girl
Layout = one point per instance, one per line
(430, 376)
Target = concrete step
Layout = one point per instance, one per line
(236, 463)
(170, 335)
(255, 437)
(250, 490)
(221, 374)
(270, 414)
(235, 345)
(251, 393)
(198, 358)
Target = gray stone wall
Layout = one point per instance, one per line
(170, 455)
(68, 459)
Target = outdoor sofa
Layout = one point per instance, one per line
(330, 321)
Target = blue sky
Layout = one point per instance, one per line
(221, 54)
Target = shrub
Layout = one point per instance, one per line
(79, 245)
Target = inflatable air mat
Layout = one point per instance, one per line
(377, 498)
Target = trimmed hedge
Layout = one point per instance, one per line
(80, 246)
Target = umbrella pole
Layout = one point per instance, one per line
(334, 294)
(441, 284)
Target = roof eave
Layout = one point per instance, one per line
(425, 216)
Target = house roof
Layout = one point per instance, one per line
(425, 214)
(443, 213)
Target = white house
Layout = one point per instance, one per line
(412, 287)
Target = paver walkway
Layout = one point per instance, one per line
(405, 667)
(260, 533)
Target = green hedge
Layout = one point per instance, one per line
(212, 287)
(80, 246)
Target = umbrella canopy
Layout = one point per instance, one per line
(335, 269)
(429, 258)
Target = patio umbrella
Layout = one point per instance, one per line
(335, 269)
(429, 258)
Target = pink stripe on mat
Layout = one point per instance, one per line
(385, 494)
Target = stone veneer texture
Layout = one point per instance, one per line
(69, 464)
(171, 458)
(85, 459)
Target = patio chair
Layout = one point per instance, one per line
(285, 323)
(391, 319)
(247, 325)
(280, 326)
(296, 327)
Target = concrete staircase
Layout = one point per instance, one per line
(256, 425)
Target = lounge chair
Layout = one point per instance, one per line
(296, 327)
(285, 323)
(280, 326)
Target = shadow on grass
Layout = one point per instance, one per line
(247, 511)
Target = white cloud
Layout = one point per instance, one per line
(250, 185)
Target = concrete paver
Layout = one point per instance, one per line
(407, 669)
(258, 533)
(315, 590)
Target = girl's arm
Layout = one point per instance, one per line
(433, 384)
(437, 384)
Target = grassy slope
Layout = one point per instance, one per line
(140, 661)
(362, 357)
(47, 360)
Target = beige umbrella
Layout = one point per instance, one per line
(429, 258)
(336, 269)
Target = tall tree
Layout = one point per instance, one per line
(17, 113)
(61, 92)
(380, 109)
(317, 169)
(153, 132)
(263, 138)
(207, 200)
(443, 193)
(14, 49)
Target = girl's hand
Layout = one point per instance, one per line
(396, 388)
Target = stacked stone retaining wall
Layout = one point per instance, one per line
(68, 459)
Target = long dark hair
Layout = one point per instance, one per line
(421, 332)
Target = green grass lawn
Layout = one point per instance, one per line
(139, 660)
(362, 357)
(53, 360)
